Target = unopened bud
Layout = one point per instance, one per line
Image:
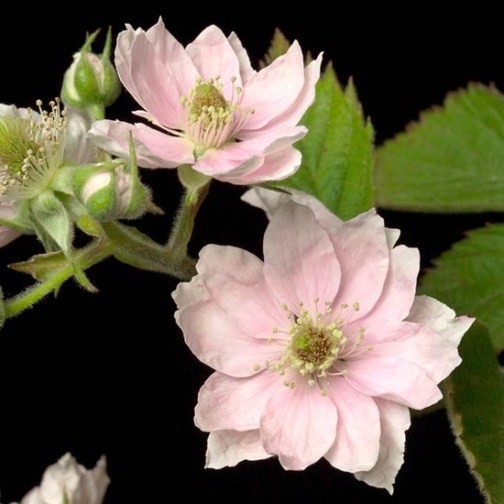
(91, 81)
(109, 191)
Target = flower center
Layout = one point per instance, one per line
(317, 344)
(314, 346)
(211, 119)
(31, 150)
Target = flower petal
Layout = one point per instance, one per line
(296, 111)
(270, 201)
(358, 432)
(218, 341)
(283, 79)
(300, 264)
(436, 355)
(392, 378)
(246, 70)
(238, 158)
(235, 403)
(174, 57)
(228, 448)
(214, 56)
(239, 289)
(78, 148)
(299, 425)
(400, 285)
(8, 235)
(439, 318)
(395, 420)
(362, 250)
(142, 68)
(153, 148)
(276, 166)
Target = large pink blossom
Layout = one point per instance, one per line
(319, 350)
(211, 109)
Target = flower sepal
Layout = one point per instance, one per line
(91, 82)
(54, 227)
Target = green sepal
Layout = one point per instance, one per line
(55, 229)
(41, 266)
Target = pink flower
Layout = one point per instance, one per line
(211, 108)
(321, 349)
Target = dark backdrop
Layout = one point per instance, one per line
(109, 373)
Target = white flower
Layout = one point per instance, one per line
(67, 482)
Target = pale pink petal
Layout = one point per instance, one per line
(300, 265)
(273, 91)
(400, 286)
(153, 148)
(214, 56)
(296, 111)
(392, 378)
(189, 293)
(277, 166)
(228, 448)
(231, 158)
(8, 235)
(239, 289)
(155, 87)
(235, 403)
(78, 148)
(123, 58)
(270, 201)
(436, 355)
(173, 54)
(219, 342)
(358, 433)
(299, 425)
(439, 318)
(246, 70)
(167, 54)
(362, 250)
(395, 420)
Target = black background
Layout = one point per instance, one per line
(109, 373)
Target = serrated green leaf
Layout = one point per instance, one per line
(475, 405)
(279, 45)
(451, 161)
(337, 151)
(470, 278)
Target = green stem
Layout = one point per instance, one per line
(138, 250)
(85, 258)
(182, 230)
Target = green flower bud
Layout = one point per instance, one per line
(112, 190)
(91, 83)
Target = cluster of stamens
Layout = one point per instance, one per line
(211, 119)
(31, 149)
(317, 346)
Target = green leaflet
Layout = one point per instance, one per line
(337, 151)
(452, 160)
(470, 278)
(475, 404)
